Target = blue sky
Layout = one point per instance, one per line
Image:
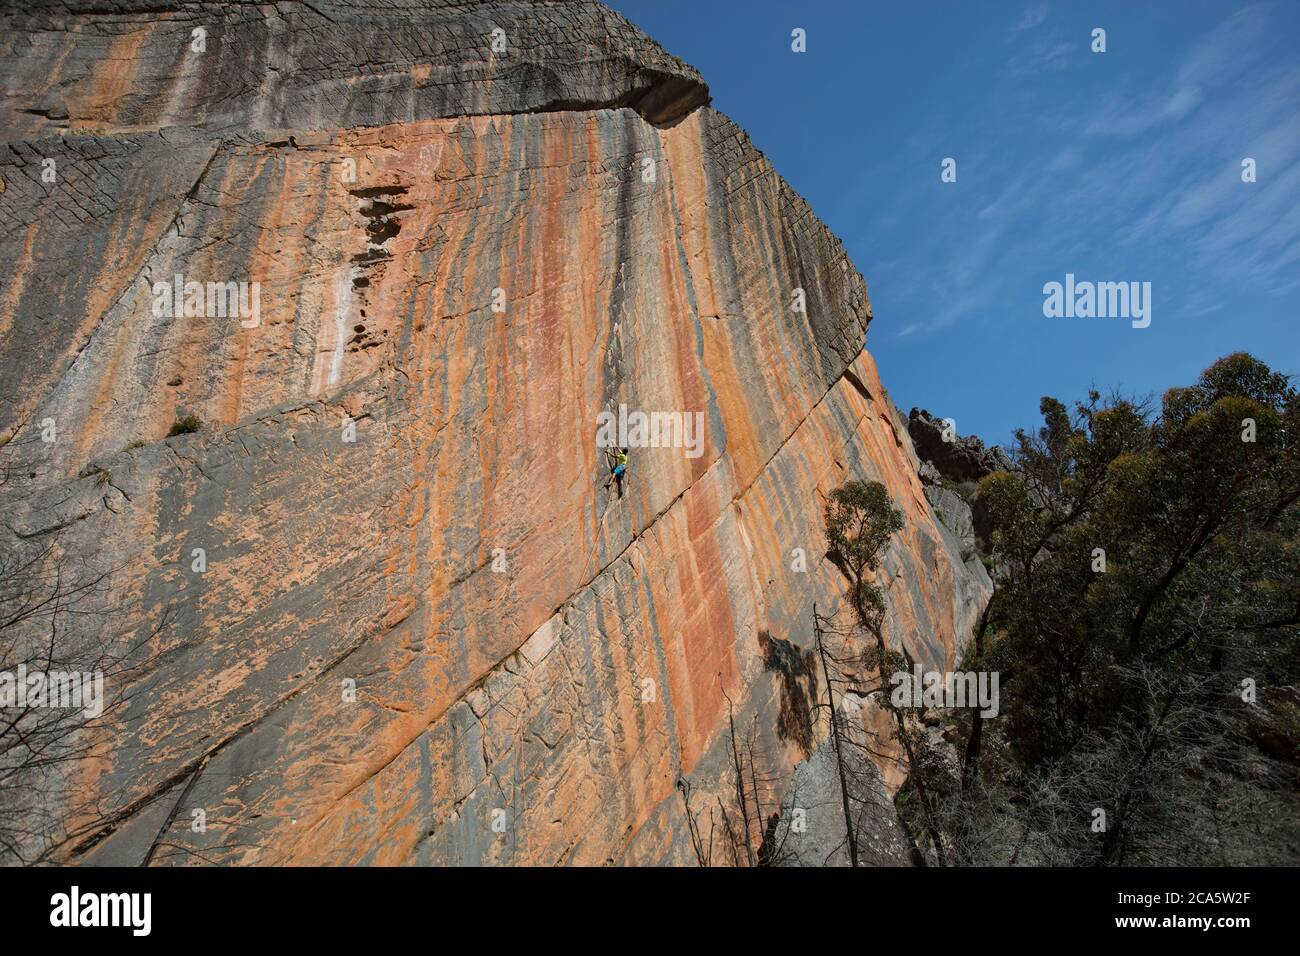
(1115, 166)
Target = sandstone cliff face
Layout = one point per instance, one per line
(464, 255)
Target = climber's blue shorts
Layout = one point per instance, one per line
(619, 469)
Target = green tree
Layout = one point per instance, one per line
(860, 520)
(1146, 566)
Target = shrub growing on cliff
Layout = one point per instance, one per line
(860, 521)
(185, 426)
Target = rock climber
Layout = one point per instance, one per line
(618, 459)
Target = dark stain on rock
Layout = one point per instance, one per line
(798, 688)
(370, 192)
(383, 224)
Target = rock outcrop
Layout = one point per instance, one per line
(951, 468)
(955, 457)
(388, 611)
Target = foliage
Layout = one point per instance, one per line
(1149, 564)
(185, 425)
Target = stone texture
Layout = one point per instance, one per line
(816, 790)
(960, 459)
(951, 509)
(526, 649)
(326, 64)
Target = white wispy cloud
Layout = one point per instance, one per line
(1144, 181)
(1033, 17)
(1044, 54)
